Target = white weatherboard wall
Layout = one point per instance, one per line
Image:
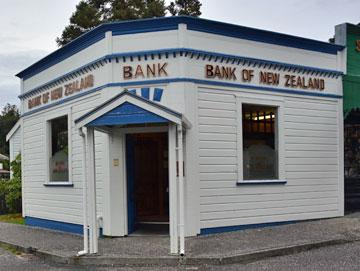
(312, 161)
(58, 203)
(15, 144)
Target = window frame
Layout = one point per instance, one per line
(279, 139)
(48, 147)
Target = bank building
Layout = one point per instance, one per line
(181, 124)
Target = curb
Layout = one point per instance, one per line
(175, 260)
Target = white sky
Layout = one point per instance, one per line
(29, 27)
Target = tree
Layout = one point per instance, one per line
(91, 13)
(185, 7)
(9, 116)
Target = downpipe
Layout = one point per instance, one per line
(85, 214)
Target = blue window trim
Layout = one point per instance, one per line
(62, 184)
(171, 23)
(183, 50)
(172, 80)
(261, 182)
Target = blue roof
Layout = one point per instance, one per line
(171, 23)
(126, 114)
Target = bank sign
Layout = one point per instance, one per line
(263, 77)
(285, 78)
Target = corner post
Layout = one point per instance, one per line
(173, 190)
(85, 196)
(92, 189)
(181, 189)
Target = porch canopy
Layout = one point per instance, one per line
(124, 110)
(128, 108)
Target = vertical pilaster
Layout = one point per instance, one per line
(173, 199)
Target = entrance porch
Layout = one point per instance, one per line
(144, 183)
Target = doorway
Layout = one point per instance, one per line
(352, 161)
(147, 183)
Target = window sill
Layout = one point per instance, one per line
(59, 184)
(261, 182)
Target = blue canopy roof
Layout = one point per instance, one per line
(125, 114)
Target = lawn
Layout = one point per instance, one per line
(12, 218)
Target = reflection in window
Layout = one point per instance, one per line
(59, 171)
(260, 159)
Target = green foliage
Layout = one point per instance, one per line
(10, 195)
(16, 166)
(91, 13)
(6, 164)
(10, 190)
(185, 7)
(8, 117)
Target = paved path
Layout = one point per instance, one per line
(334, 258)
(205, 248)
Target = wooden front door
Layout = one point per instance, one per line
(150, 174)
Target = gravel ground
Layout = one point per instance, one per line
(335, 258)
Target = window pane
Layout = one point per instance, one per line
(260, 161)
(59, 171)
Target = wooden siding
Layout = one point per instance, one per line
(311, 157)
(58, 203)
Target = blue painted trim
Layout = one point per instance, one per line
(173, 80)
(240, 183)
(145, 93)
(54, 225)
(130, 174)
(171, 23)
(126, 114)
(158, 94)
(59, 184)
(184, 50)
(206, 231)
(133, 91)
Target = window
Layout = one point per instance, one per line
(59, 150)
(260, 151)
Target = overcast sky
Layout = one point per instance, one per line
(29, 28)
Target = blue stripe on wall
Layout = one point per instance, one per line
(243, 227)
(54, 225)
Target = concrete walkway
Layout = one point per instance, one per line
(232, 247)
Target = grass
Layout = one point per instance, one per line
(12, 218)
(10, 249)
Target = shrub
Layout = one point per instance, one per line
(13, 195)
(16, 166)
(10, 190)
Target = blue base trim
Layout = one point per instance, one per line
(244, 227)
(54, 225)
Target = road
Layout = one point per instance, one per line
(341, 257)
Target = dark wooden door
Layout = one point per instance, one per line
(151, 177)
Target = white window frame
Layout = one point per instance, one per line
(48, 120)
(279, 138)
